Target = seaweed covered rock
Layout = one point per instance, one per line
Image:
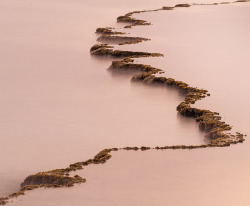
(210, 123)
(143, 148)
(100, 46)
(107, 30)
(142, 77)
(182, 5)
(167, 8)
(118, 53)
(131, 148)
(102, 156)
(228, 139)
(121, 40)
(126, 65)
(65, 171)
(3, 201)
(191, 112)
(174, 147)
(134, 22)
(194, 94)
(106, 50)
(45, 178)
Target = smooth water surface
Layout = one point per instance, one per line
(73, 101)
(58, 104)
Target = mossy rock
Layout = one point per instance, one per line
(143, 148)
(50, 179)
(131, 148)
(3, 201)
(182, 5)
(100, 46)
(167, 8)
(126, 65)
(128, 19)
(121, 40)
(107, 30)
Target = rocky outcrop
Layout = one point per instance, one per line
(182, 5)
(54, 180)
(106, 50)
(121, 40)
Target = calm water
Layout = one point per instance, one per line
(197, 177)
(213, 54)
(59, 105)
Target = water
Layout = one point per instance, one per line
(213, 54)
(58, 104)
(79, 101)
(196, 177)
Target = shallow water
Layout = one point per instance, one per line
(63, 113)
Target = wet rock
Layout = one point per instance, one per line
(45, 178)
(127, 66)
(102, 156)
(100, 46)
(143, 148)
(105, 50)
(167, 8)
(121, 40)
(3, 201)
(76, 166)
(107, 30)
(134, 22)
(182, 5)
(131, 148)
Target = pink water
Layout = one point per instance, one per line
(58, 104)
(61, 106)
